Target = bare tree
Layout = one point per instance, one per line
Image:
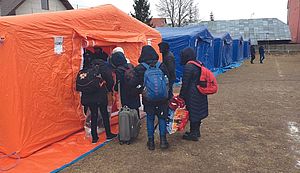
(180, 12)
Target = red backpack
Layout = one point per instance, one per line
(207, 82)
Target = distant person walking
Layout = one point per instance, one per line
(252, 51)
(261, 53)
(169, 61)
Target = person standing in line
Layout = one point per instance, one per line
(252, 52)
(261, 53)
(169, 61)
(196, 102)
(149, 60)
(130, 96)
(100, 54)
(98, 99)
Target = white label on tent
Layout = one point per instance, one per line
(58, 44)
(149, 41)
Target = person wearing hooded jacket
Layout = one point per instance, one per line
(98, 99)
(169, 61)
(130, 96)
(159, 108)
(196, 102)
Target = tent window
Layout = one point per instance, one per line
(45, 4)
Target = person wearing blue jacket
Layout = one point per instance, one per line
(261, 53)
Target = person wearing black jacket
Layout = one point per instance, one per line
(159, 108)
(196, 102)
(261, 54)
(130, 96)
(169, 61)
(252, 52)
(98, 99)
(100, 54)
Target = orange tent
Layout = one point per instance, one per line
(40, 56)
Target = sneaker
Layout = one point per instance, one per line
(111, 136)
(94, 141)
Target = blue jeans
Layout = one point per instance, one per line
(150, 126)
(262, 57)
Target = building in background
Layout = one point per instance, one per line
(259, 31)
(19, 7)
(158, 22)
(294, 19)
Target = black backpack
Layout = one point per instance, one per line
(89, 80)
(129, 74)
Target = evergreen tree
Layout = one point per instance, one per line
(142, 11)
(212, 17)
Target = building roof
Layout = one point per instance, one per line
(158, 22)
(8, 6)
(265, 29)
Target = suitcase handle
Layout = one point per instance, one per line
(125, 108)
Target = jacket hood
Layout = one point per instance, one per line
(118, 59)
(148, 54)
(186, 55)
(164, 47)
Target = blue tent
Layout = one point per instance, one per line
(197, 37)
(222, 50)
(238, 48)
(247, 49)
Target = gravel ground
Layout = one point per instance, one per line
(253, 126)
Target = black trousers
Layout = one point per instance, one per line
(252, 58)
(195, 127)
(94, 119)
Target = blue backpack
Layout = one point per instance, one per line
(155, 83)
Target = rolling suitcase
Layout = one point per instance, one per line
(129, 125)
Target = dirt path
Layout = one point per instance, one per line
(253, 126)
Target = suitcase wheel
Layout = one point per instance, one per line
(128, 142)
(121, 142)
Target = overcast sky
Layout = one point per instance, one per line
(222, 9)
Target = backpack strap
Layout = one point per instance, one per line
(145, 65)
(157, 64)
(196, 63)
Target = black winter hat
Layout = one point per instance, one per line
(186, 55)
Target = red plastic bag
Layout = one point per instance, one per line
(178, 115)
